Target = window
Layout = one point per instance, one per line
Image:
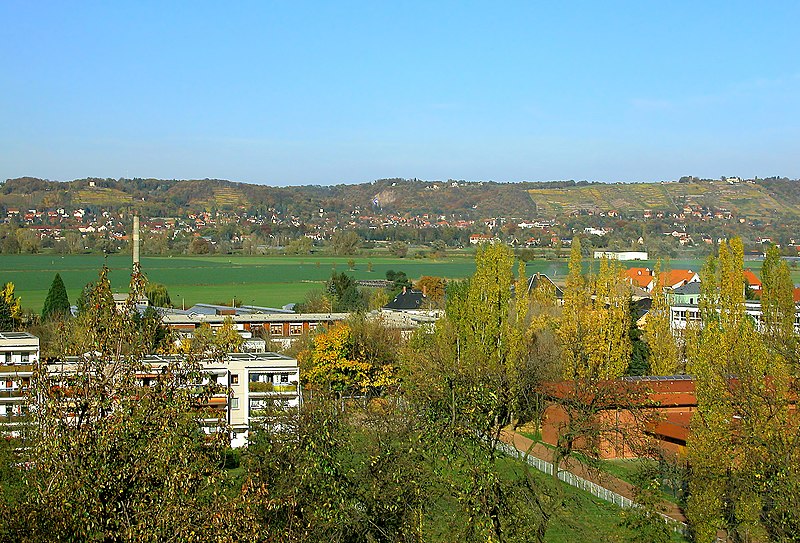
(276, 329)
(296, 329)
(284, 377)
(234, 378)
(26, 357)
(8, 357)
(234, 403)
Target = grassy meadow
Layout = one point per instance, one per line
(258, 280)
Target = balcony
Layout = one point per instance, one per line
(259, 386)
(16, 368)
(6, 419)
(13, 393)
(220, 402)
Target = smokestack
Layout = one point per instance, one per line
(135, 240)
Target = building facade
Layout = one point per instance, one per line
(19, 354)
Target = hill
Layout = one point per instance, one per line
(766, 198)
(759, 199)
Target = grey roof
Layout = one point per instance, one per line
(539, 278)
(641, 306)
(408, 299)
(688, 288)
(213, 309)
(17, 335)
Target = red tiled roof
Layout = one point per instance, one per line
(640, 277)
(752, 279)
(678, 278)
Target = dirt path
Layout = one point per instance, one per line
(580, 469)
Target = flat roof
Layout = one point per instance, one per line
(229, 357)
(172, 318)
(17, 335)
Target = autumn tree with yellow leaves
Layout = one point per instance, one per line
(594, 323)
(109, 458)
(472, 374)
(351, 358)
(743, 447)
(10, 310)
(661, 342)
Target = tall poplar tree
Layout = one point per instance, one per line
(594, 331)
(609, 343)
(664, 354)
(573, 328)
(743, 446)
(10, 310)
(777, 305)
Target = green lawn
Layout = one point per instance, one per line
(266, 280)
(626, 469)
(585, 518)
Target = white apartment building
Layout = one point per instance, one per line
(19, 353)
(250, 384)
(683, 314)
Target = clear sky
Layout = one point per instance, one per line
(292, 92)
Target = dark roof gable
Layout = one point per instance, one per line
(407, 299)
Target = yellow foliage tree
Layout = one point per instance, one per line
(573, 327)
(336, 363)
(742, 446)
(664, 353)
(594, 329)
(12, 303)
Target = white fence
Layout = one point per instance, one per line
(588, 486)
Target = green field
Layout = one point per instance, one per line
(258, 280)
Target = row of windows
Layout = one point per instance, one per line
(277, 329)
(295, 329)
(681, 315)
(24, 357)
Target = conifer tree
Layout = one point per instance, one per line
(56, 305)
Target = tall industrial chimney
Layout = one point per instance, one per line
(135, 240)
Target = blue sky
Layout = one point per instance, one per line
(288, 93)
